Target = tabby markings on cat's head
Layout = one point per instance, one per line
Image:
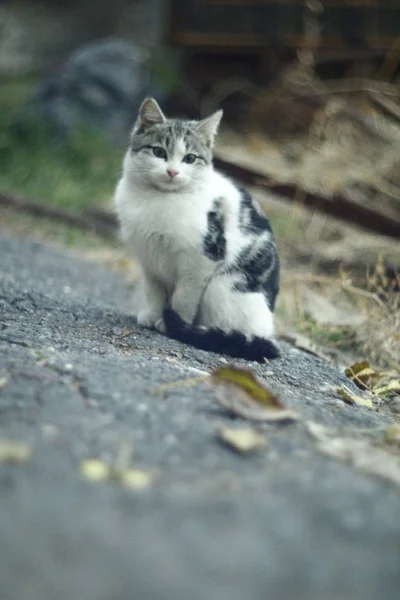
(169, 154)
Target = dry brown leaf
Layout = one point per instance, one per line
(12, 451)
(245, 380)
(241, 393)
(3, 382)
(351, 398)
(363, 375)
(245, 439)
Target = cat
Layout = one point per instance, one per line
(209, 260)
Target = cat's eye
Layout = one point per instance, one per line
(189, 158)
(159, 152)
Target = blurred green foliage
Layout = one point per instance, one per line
(75, 172)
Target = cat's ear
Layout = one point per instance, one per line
(208, 127)
(149, 114)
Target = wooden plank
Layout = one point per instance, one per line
(262, 24)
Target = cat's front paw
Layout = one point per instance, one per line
(148, 318)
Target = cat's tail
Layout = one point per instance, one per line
(233, 344)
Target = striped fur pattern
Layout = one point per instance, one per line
(209, 261)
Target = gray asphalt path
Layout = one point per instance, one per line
(285, 523)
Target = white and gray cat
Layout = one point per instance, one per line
(208, 257)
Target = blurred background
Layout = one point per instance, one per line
(311, 98)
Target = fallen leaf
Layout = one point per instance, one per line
(245, 439)
(3, 382)
(392, 434)
(353, 399)
(241, 393)
(356, 368)
(95, 470)
(12, 451)
(391, 387)
(363, 375)
(245, 380)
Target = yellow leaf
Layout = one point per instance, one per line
(353, 399)
(239, 392)
(392, 387)
(3, 382)
(245, 439)
(392, 434)
(363, 375)
(356, 368)
(12, 451)
(135, 479)
(245, 380)
(95, 470)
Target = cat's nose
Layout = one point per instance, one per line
(172, 173)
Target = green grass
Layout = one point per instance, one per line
(33, 163)
(329, 336)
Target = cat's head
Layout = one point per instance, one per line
(170, 154)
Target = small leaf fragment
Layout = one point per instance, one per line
(392, 434)
(351, 398)
(13, 451)
(245, 439)
(245, 380)
(135, 479)
(95, 470)
(3, 382)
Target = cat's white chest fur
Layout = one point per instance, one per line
(160, 227)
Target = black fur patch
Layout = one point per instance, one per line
(216, 340)
(214, 244)
(271, 285)
(258, 267)
(250, 220)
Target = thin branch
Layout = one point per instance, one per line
(388, 107)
